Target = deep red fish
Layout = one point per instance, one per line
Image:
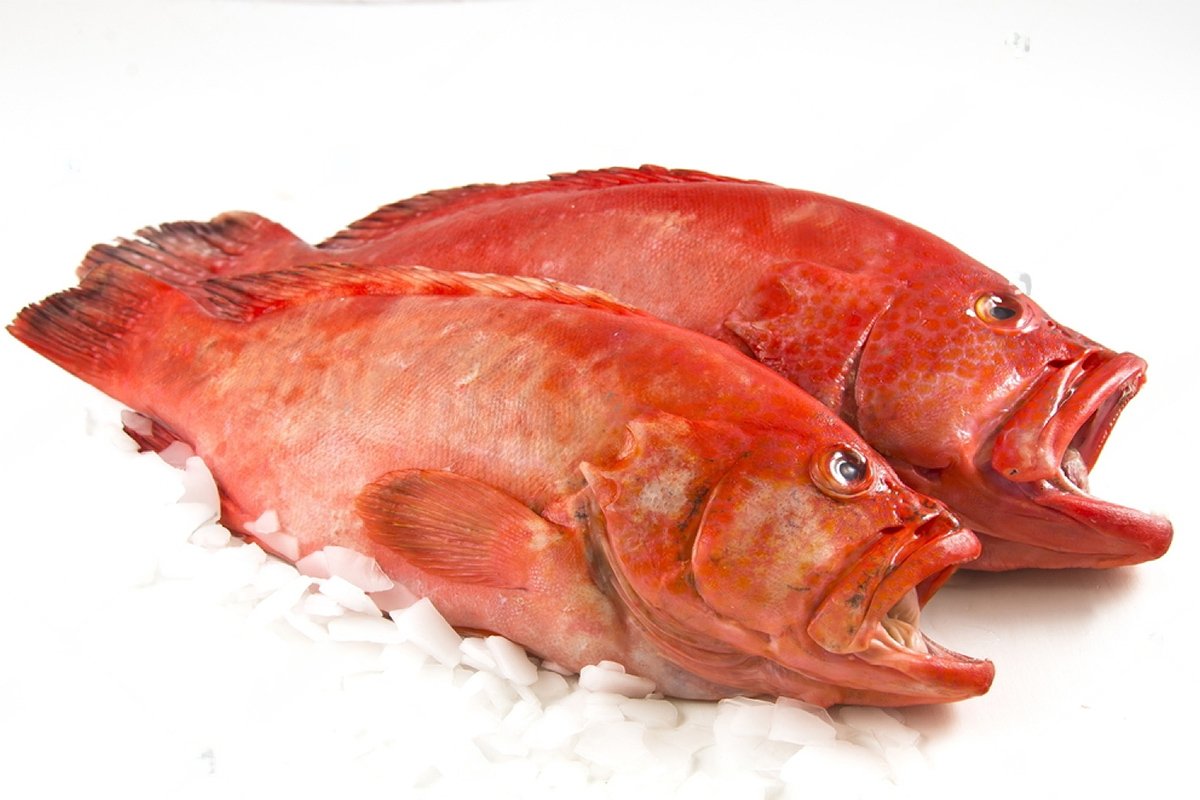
(542, 462)
(970, 390)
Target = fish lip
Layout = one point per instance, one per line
(1073, 407)
(1127, 536)
(942, 674)
(1046, 457)
(937, 546)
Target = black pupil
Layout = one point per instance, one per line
(849, 468)
(1001, 311)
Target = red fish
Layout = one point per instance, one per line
(971, 391)
(542, 462)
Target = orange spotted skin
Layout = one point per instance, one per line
(878, 319)
(542, 462)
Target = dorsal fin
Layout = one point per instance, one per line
(183, 253)
(392, 216)
(245, 297)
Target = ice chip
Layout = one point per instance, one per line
(306, 625)
(512, 661)
(273, 575)
(746, 717)
(798, 723)
(425, 627)
(555, 728)
(650, 713)
(177, 454)
(615, 745)
(360, 628)
(199, 486)
(476, 654)
(550, 687)
(600, 678)
(348, 595)
(280, 601)
(322, 605)
(360, 570)
(883, 726)
(211, 536)
(267, 522)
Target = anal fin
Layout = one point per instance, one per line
(149, 434)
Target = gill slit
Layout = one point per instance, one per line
(849, 406)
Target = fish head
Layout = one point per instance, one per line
(783, 562)
(981, 399)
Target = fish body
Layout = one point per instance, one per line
(973, 393)
(543, 463)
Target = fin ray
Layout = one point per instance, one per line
(455, 527)
(83, 329)
(247, 297)
(390, 217)
(183, 253)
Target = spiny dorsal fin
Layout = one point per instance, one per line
(246, 297)
(183, 253)
(392, 216)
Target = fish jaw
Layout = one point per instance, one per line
(872, 615)
(1025, 491)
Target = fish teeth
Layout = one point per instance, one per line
(900, 623)
(1074, 469)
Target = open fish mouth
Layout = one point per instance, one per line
(1049, 447)
(900, 627)
(873, 613)
(1057, 434)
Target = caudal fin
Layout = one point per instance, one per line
(186, 253)
(85, 330)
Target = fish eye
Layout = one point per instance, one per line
(841, 471)
(998, 310)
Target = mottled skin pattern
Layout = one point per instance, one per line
(871, 315)
(543, 463)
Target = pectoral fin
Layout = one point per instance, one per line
(457, 527)
(810, 322)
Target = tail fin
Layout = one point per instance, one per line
(185, 253)
(84, 330)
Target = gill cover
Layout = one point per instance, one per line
(809, 322)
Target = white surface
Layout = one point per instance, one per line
(1057, 141)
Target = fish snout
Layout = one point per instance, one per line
(1059, 430)
(891, 581)
(1043, 456)
(872, 613)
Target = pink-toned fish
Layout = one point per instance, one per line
(542, 462)
(970, 390)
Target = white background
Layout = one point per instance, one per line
(1056, 139)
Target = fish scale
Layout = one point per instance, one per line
(893, 328)
(595, 452)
